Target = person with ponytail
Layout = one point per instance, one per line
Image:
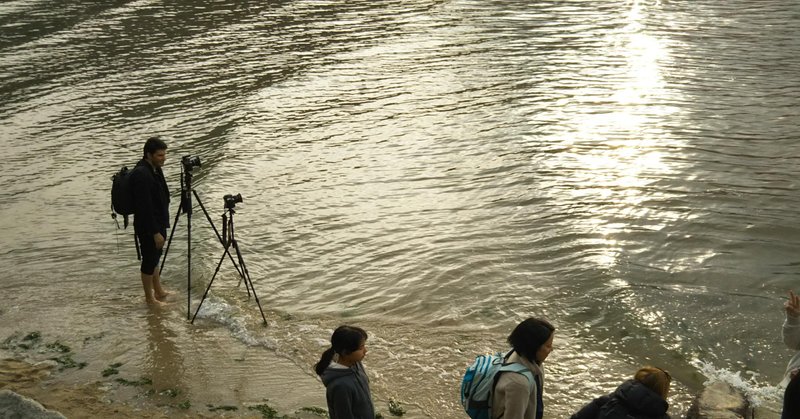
(346, 383)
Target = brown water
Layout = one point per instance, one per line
(433, 171)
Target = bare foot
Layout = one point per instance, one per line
(156, 303)
(162, 296)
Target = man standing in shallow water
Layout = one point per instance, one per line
(151, 215)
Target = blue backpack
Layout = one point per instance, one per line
(478, 383)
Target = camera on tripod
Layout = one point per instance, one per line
(232, 200)
(190, 162)
(226, 238)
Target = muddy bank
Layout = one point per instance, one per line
(236, 381)
(64, 380)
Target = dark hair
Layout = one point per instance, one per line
(529, 336)
(345, 340)
(152, 145)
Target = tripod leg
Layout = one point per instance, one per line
(188, 263)
(248, 281)
(244, 268)
(172, 233)
(219, 237)
(205, 294)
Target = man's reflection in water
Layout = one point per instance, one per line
(166, 364)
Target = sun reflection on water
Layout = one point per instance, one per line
(615, 140)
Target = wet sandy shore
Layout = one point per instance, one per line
(46, 375)
(155, 364)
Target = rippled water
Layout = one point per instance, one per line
(433, 170)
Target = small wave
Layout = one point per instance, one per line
(758, 393)
(218, 310)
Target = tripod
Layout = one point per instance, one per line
(228, 240)
(186, 208)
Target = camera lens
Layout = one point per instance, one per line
(190, 161)
(231, 200)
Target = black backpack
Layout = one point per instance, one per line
(121, 195)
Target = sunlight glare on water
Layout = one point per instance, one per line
(434, 171)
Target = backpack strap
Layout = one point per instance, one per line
(114, 216)
(519, 369)
(515, 367)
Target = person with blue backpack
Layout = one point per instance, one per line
(515, 396)
(510, 385)
(346, 383)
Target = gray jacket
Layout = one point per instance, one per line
(791, 337)
(347, 392)
(513, 397)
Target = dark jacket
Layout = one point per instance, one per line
(631, 400)
(791, 399)
(347, 393)
(150, 200)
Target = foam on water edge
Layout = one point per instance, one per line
(218, 310)
(758, 393)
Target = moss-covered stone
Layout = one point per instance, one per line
(112, 369)
(212, 408)
(267, 412)
(66, 361)
(315, 410)
(58, 347)
(144, 381)
(395, 408)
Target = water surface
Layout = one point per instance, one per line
(434, 171)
